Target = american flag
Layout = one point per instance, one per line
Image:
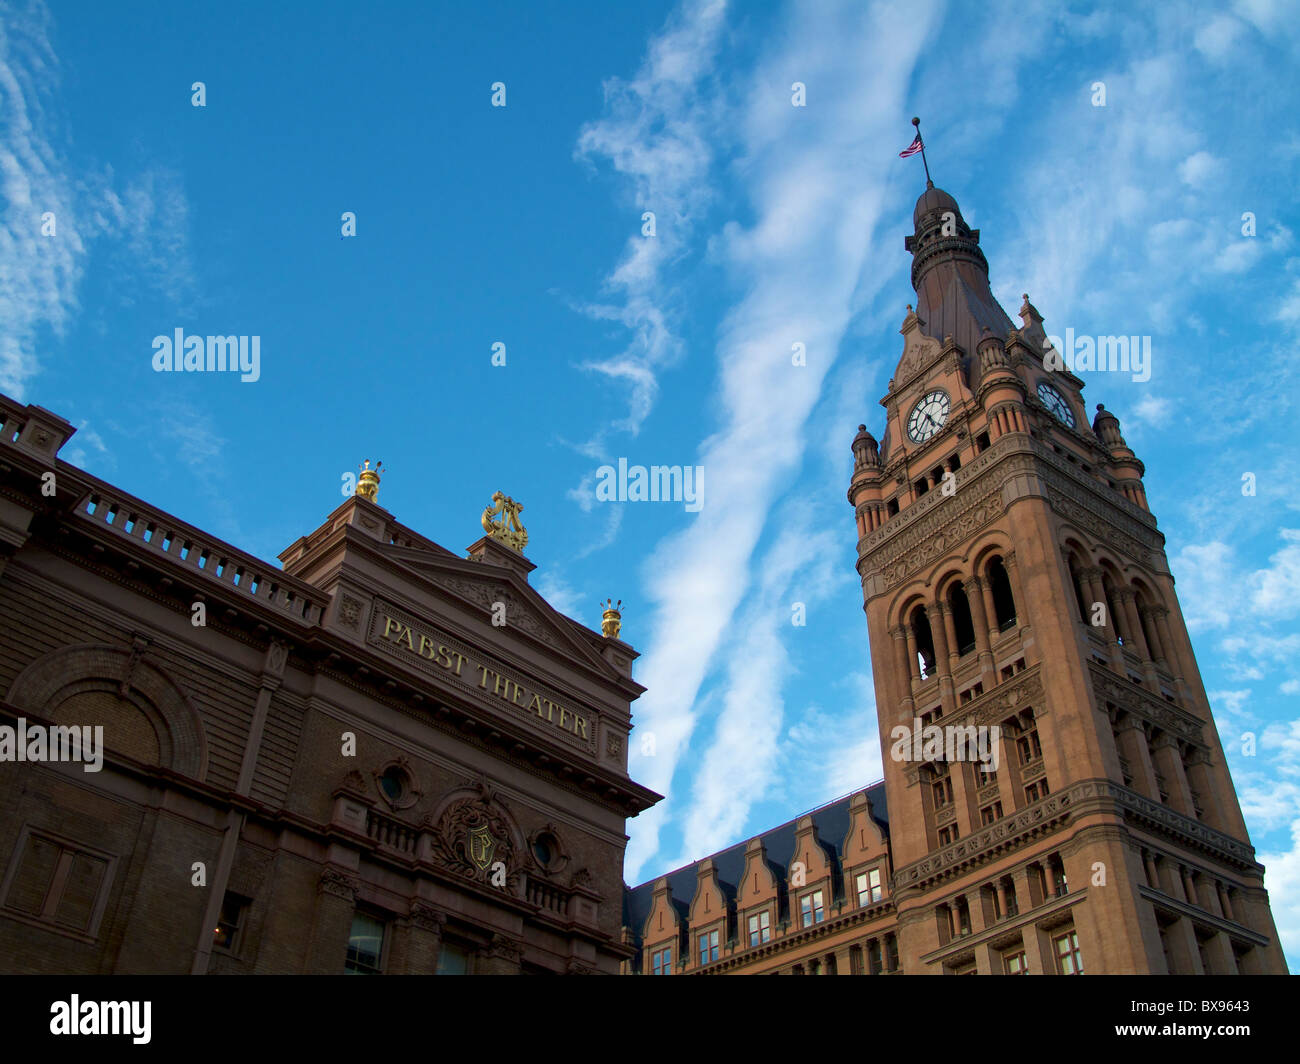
(912, 148)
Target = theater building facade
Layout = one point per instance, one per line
(383, 757)
(1017, 592)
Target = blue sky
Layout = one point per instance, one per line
(774, 225)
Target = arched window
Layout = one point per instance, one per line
(924, 642)
(963, 625)
(1004, 603)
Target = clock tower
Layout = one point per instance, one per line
(1018, 596)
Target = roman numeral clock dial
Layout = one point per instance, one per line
(927, 417)
(1055, 402)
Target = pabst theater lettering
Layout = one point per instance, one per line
(489, 680)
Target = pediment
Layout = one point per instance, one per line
(482, 586)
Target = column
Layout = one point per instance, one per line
(1218, 951)
(1184, 955)
(913, 661)
(1136, 640)
(974, 589)
(1172, 660)
(1169, 762)
(1147, 614)
(1004, 903)
(990, 614)
(1201, 780)
(501, 957)
(425, 942)
(905, 669)
(1225, 902)
(940, 640)
(1133, 746)
(949, 630)
(1017, 591)
(1152, 873)
(336, 897)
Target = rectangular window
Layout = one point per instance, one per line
(1015, 963)
(708, 947)
(661, 961)
(1069, 961)
(1036, 791)
(942, 792)
(991, 813)
(948, 835)
(812, 909)
(452, 960)
(225, 935)
(869, 889)
(57, 882)
(760, 928)
(1029, 747)
(365, 946)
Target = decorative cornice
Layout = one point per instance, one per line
(1056, 810)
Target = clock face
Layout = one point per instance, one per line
(1055, 402)
(927, 417)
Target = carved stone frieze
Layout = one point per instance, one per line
(427, 918)
(492, 596)
(338, 884)
(1032, 771)
(1142, 703)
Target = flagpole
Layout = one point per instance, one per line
(928, 182)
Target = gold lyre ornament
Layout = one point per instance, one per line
(611, 621)
(508, 528)
(368, 481)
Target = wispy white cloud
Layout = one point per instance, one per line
(816, 186)
(658, 134)
(54, 212)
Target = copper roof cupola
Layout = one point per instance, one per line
(951, 275)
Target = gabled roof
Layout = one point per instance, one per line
(482, 584)
(831, 823)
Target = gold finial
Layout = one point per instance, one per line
(611, 621)
(368, 481)
(508, 529)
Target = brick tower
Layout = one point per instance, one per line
(1013, 576)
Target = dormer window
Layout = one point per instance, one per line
(812, 909)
